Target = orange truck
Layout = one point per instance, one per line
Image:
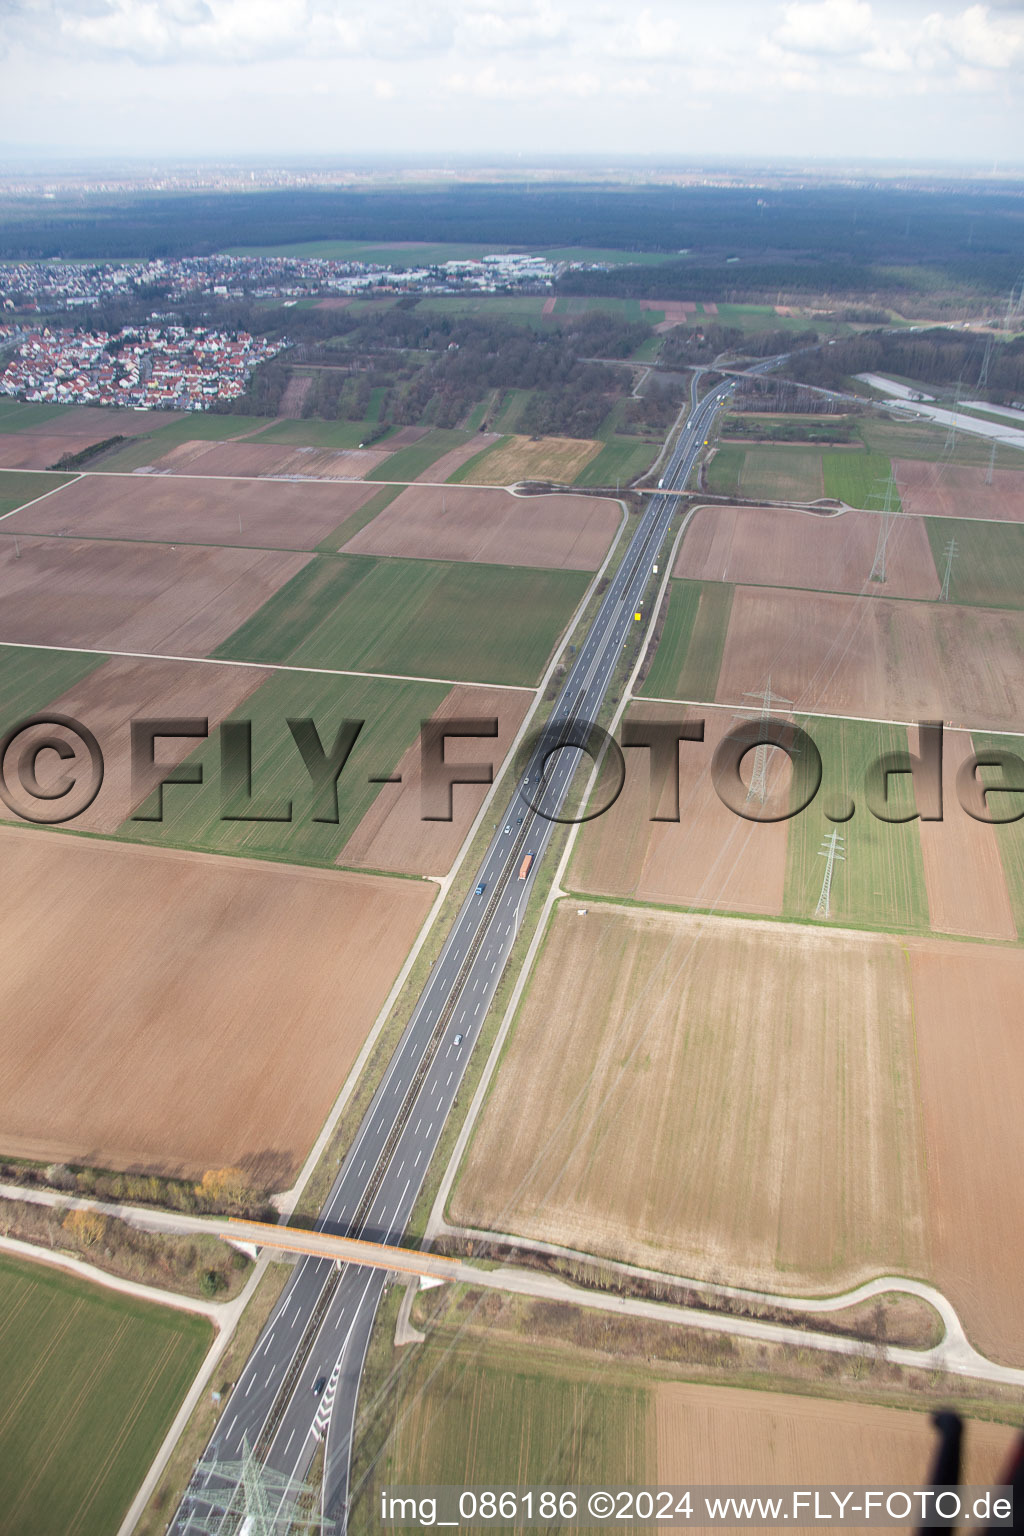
(524, 868)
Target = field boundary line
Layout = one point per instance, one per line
(286, 1201)
(820, 714)
(435, 1224)
(269, 666)
(36, 499)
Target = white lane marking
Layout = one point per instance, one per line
(269, 1379)
(253, 1378)
(288, 1447)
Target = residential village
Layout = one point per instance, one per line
(155, 367)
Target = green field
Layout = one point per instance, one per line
(510, 411)
(351, 526)
(411, 253)
(725, 469)
(859, 479)
(18, 486)
(422, 618)
(514, 309)
(475, 1412)
(630, 310)
(689, 654)
(409, 463)
(391, 712)
(312, 433)
(908, 440)
(30, 679)
(621, 460)
(1010, 835)
(91, 1382)
(18, 416)
(197, 426)
(776, 474)
(988, 566)
(880, 884)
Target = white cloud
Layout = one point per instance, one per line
(977, 39)
(834, 27)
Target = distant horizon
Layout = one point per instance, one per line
(27, 161)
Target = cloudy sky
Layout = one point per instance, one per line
(670, 79)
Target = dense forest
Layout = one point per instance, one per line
(734, 241)
(435, 367)
(939, 357)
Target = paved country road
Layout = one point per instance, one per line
(324, 1317)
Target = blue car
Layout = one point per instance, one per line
(481, 888)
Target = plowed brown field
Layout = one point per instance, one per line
(202, 512)
(710, 858)
(959, 490)
(493, 526)
(25, 450)
(970, 1045)
(963, 871)
(175, 1011)
(719, 1435)
(721, 1099)
(133, 597)
(252, 459)
(393, 835)
(93, 424)
(124, 688)
(773, 546)
(677, 312)
(868, 657)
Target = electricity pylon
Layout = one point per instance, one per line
(950, 555)
(830, 851)
(991, 465)
(237, 1497)
(889, 514)
(950, 444)
(758, 789)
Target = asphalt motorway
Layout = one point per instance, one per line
(320, 1328)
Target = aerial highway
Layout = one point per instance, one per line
(320, 1328)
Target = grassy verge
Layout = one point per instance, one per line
(92, 1379)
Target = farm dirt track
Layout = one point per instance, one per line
(279, 516)
(722, 1435)
(255, 459)
(971, 1063)
(123, 688)
(492, 527)
(191, 1013)
(709, 858)
(393, 835)
(133, 597)
(865, 656)
(773, 546)
(963, 870)
(779, 1143)
(932, 490)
